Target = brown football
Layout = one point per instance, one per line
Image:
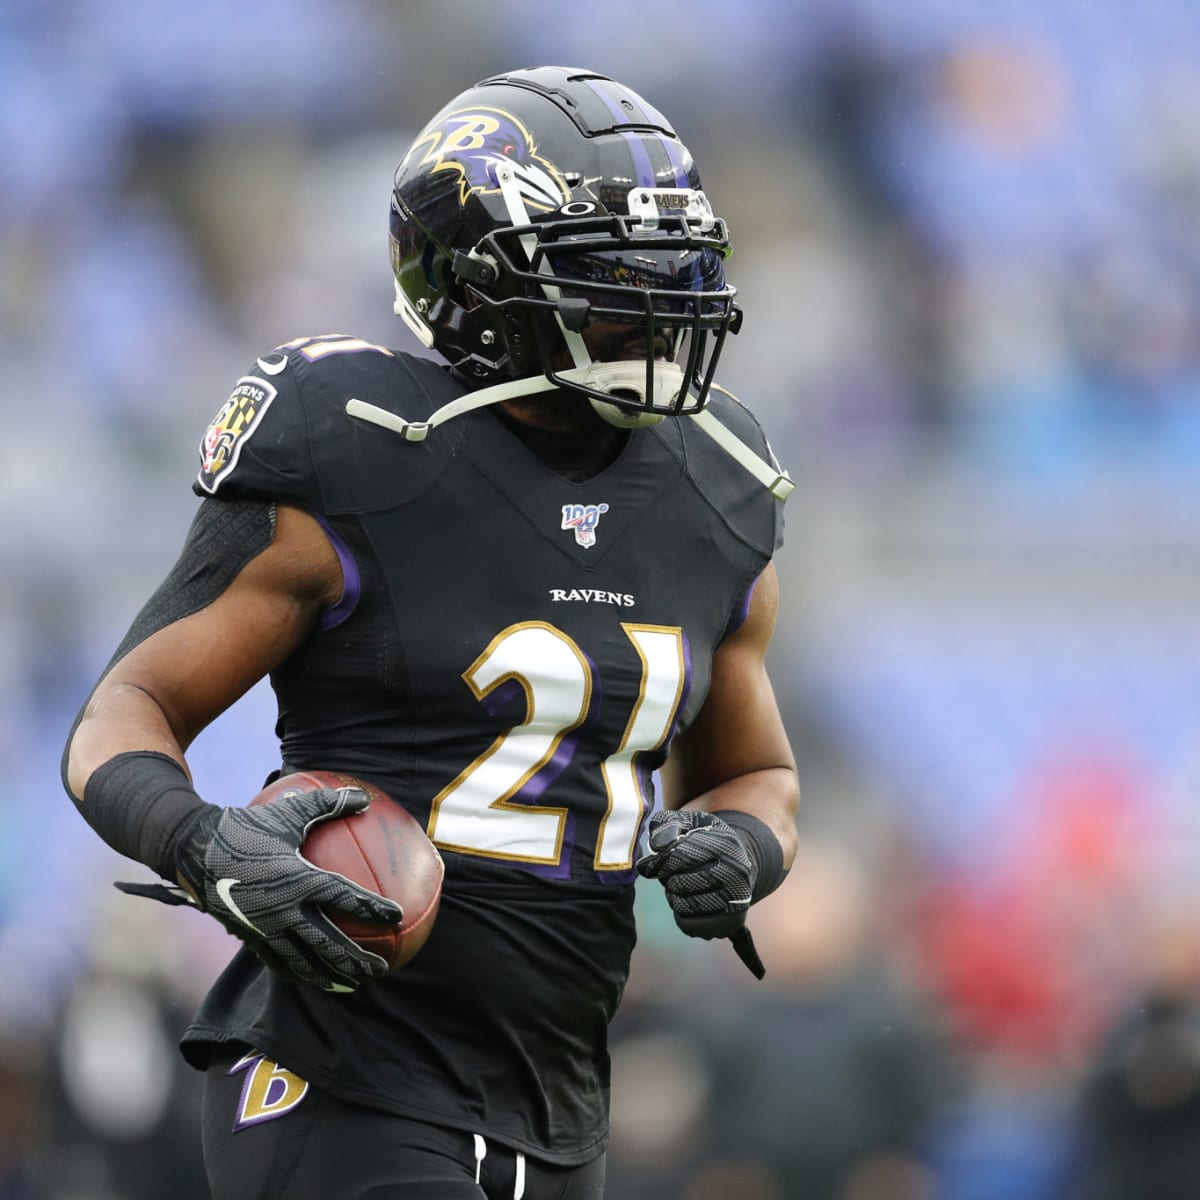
(384, 849)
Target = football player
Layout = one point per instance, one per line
(506, 588)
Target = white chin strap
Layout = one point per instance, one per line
(616, 377)
(767, 472)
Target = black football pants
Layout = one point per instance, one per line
(269, 1136)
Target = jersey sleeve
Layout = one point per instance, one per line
(257, 447)
(284, 433)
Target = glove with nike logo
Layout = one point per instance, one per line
(245, 868)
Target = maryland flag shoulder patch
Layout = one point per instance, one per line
(231, 428)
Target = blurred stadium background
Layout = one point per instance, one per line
(968, 243)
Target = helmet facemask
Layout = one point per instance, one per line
(545, 281)
(516, 304)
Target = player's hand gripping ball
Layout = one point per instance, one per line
(383, 848)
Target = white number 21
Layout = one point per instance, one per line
(476, 812)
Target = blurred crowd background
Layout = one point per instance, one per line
(968, 244)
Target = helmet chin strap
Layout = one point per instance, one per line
(768, 473)
(610, 377)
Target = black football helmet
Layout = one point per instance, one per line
(545, 199)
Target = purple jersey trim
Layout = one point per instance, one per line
(687, 679)
(333, 616)
(535, 787)
(560, 870)
(744, 611)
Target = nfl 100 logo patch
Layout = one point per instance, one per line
(582, 518)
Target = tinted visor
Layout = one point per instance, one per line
(625, 275)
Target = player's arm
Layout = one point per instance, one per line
(727, 834)
(257, 593)
(168, 687)
(736, 754)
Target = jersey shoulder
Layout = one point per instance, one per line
(737, 497)
(284, 434)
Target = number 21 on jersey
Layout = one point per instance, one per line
(492, 808)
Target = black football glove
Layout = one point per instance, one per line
(245, 867)
(708, 875)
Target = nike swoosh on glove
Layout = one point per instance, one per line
(246, 869)
(705, 869)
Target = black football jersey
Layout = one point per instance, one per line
(512, 655)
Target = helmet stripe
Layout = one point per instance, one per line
(625, 105)
(643, 169)
(641, 160)
(673, 145)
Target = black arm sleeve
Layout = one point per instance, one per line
(137, 801)
(225, 535)
(141, 803)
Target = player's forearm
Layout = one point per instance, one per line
(124, 769)
(118, 718)
(771, 794)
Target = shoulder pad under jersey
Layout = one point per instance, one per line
(284, 434)
(739, 499)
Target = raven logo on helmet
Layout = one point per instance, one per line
(475, 141)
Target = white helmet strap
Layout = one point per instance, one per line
(768, 473)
